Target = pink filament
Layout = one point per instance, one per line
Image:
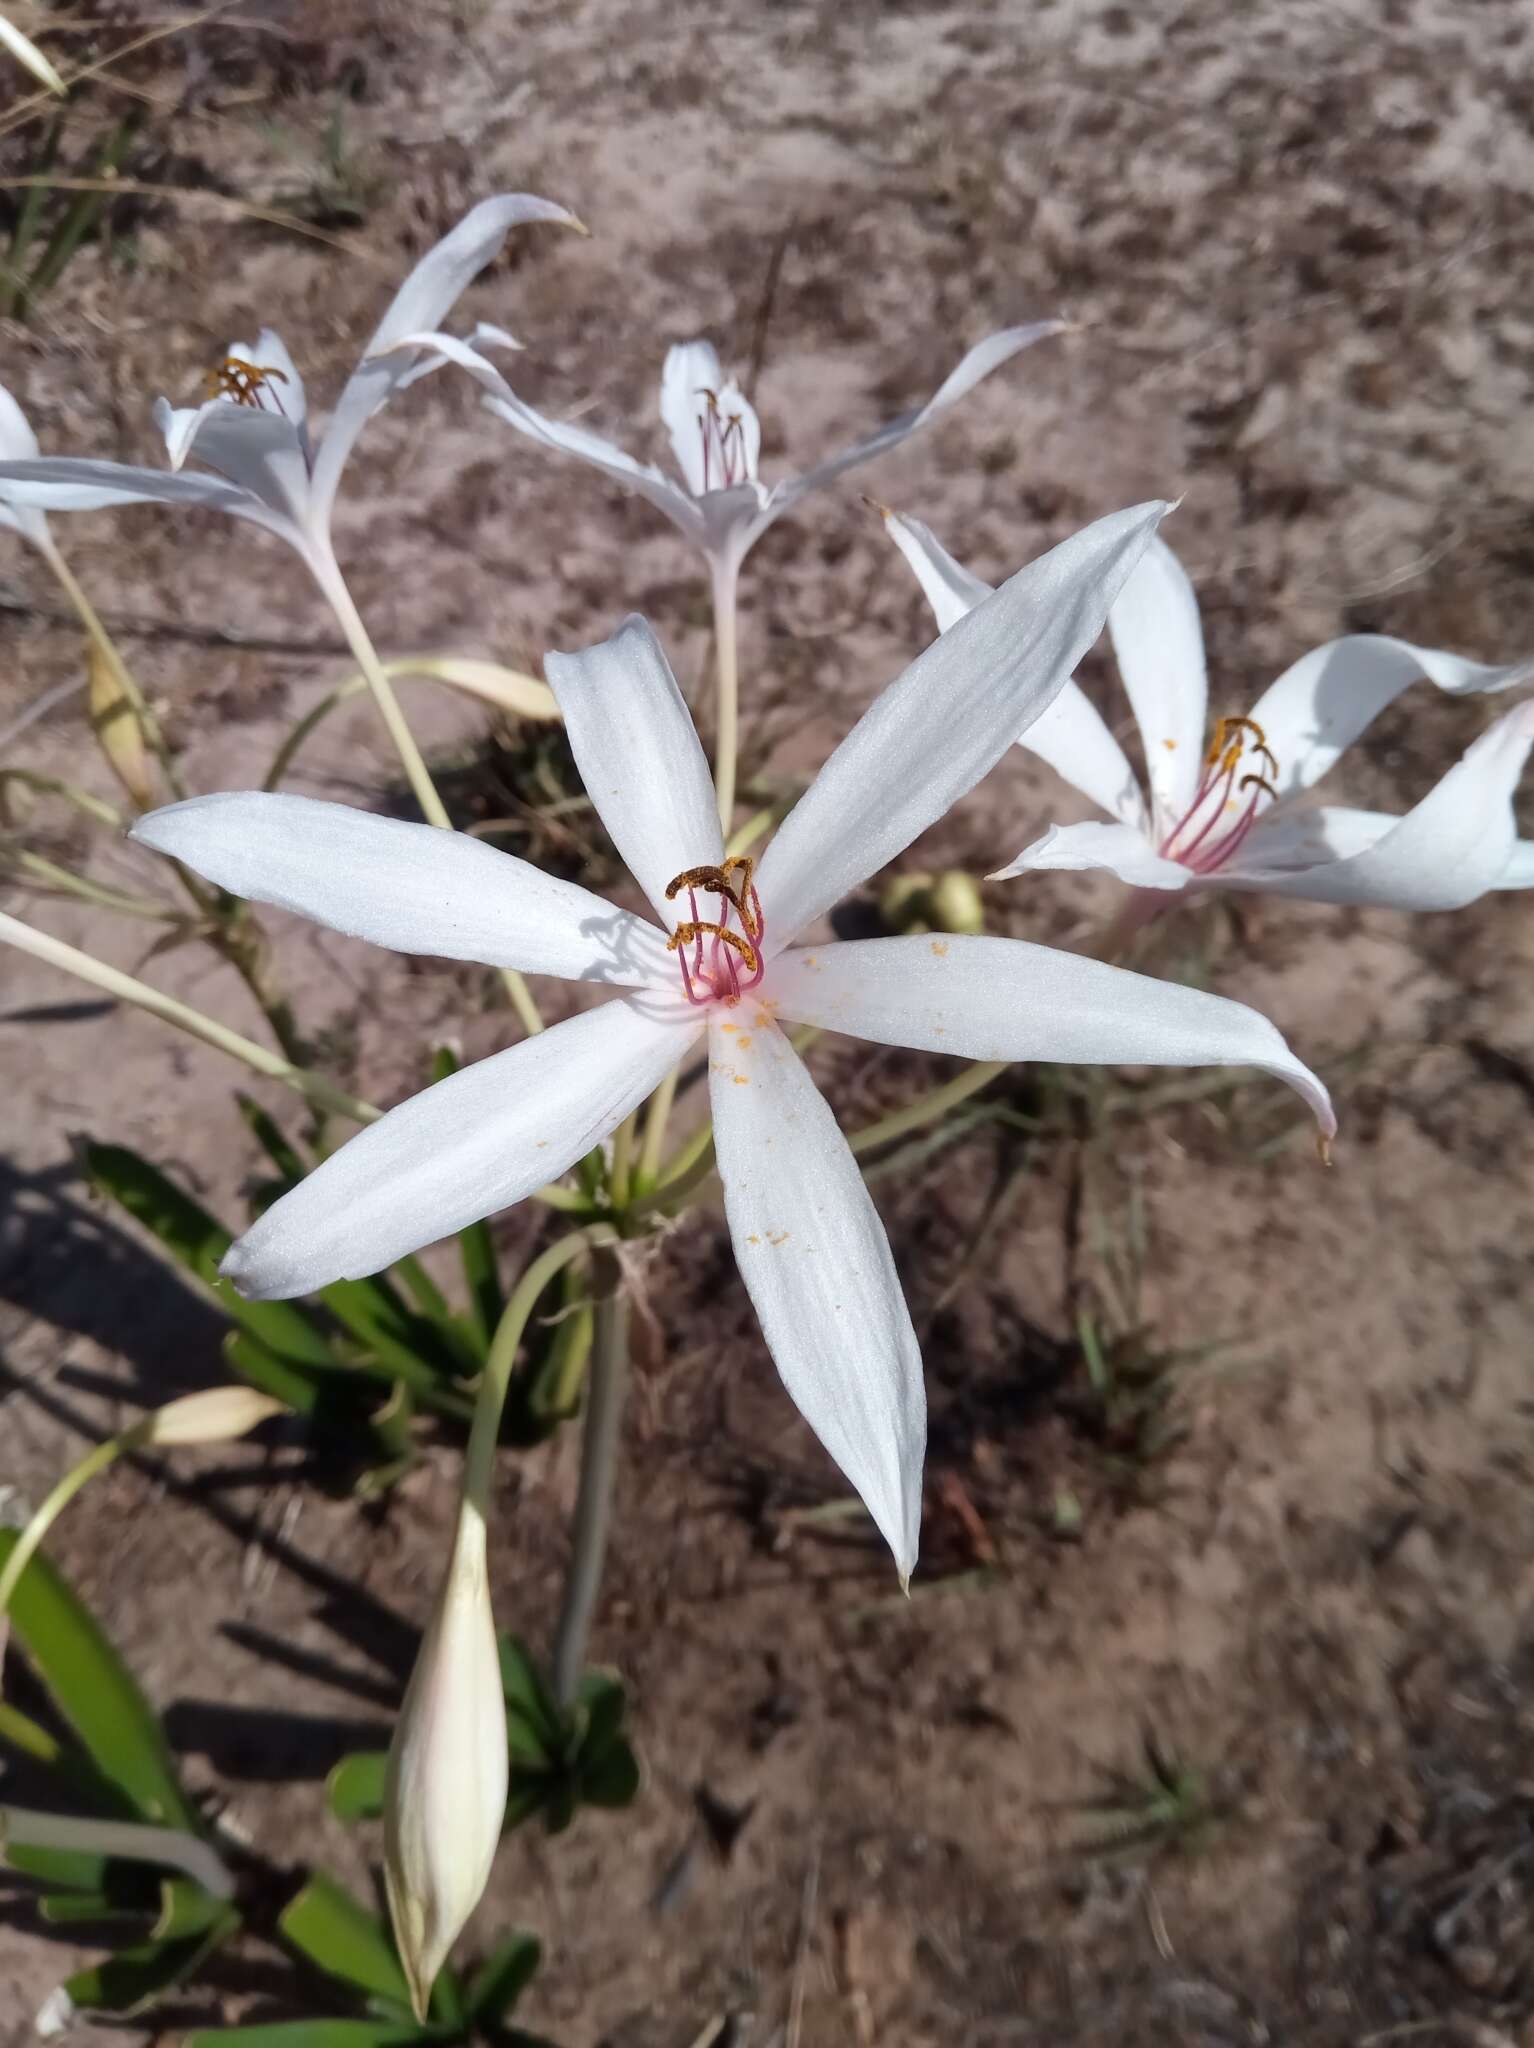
(722, 981)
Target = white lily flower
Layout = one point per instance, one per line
(807, 1237)
(721, 504)
(18, 443)
(252, 432)
(1225, 815)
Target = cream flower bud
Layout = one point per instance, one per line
(446, 1795)
(212, 1417)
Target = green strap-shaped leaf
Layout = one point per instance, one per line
(313, 2034)
(503, 1977)
(356, 1786)
(295, 1385)
(345, 1940)
(134, 1978)
(95, 1692)
(534, 1722)
(270, 1136)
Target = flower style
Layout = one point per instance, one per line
(807, 1237)
(1224, 815)
(721, 505)
(252, 431)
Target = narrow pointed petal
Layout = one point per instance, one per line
(927, 740)
(258, 452)
(818, 1268)
(409, 887)
(475, 1143)
(691, 368)
(644, 477)
(1070, 735)
(1454, 846)
(1328, 697)
(427, 295)
(18, 443)
(637, 749)
(1002, 999)
(946, 584)
(285, 387)
(1120, 849)
(1158, 642)
(65, 483)
(984, 357)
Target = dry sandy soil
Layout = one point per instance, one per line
(1296, 236)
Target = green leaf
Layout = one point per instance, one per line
(185, 1908)
(272, 1140)
(503, 1977)
(95, 1692)
(612, 1778)
(355, 1787)
(603, 1701)
(312, 2034)
(534, 1723)
(344, 1939)
(198, 1241)
(294, 1384)
(404, 1345)
(134, 1978)
(476, 1247)
(68, 1909)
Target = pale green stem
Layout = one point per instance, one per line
(78, 1475)
(106, 647)
(656, 1118)
(131, 1840)
(55, 877)
(479, 1462)
(333, 584)
(324, 1094)
(606, 1385)
(618, 1173)
(915, 1114)
(726, 577)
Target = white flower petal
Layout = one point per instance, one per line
(690, 369)
(1070, 734)
(637, 749)
(18, 443)
(64, 483)
(1451, 848)
(1120, 849)
(284, 389)
(1320, 705)
(1519, 872)
(927, 739)
(411, 887)
(1002, 999)
(475, 1143)
(428, 293)
(818, 1268)
(644, 477)
(256, 451)
(984, 357)
(1158, 642)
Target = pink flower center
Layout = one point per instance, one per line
(721, 960)
(1217, 821)
(724, 445)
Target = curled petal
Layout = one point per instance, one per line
(476, 1142)
(1454, 846)
(637, 749)
(927, 739)
(818, 1268)
(1002, 999)
(407, 886)
(1328, 697)
(1120, 849)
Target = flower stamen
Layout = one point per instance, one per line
(245, 383)
(1219, 788)
(724, 443)
(718, 977)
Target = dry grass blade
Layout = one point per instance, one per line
(242, 209)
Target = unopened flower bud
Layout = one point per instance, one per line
(954, 904)
(213, 1417)
(446, 1791)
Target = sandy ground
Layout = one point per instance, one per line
(1295, 237)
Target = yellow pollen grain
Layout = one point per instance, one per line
(777, 1237)
(1170, 745)
(745, 1037)
(729, 1027)
(753, 1238)
(940, 947)
(741, 1080)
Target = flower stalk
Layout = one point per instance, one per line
(601, 1431)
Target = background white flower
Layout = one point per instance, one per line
(807, 1237)
(1223, 814)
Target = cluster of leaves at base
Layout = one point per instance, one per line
(366, 1357)
(115, 1765)
(560, 1761)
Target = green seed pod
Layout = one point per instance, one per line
(904, 905)
(954, 904)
